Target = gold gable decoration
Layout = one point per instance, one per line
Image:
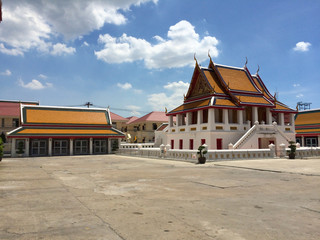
(201, 88)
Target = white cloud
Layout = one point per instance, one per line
(134, 110)
(62, 49)
(42, 76)
(302, 47)
(124, 86)
(176, 51)
(6, 73)
(85, 44)
(296, 85)
(300, 95)
(35, 24)
(34, 85)
(13, 51)
(159, 101)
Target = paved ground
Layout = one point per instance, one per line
(117, 197)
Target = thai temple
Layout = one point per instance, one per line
(228, 108)
(57, 131)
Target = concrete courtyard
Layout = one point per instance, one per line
(117, 197)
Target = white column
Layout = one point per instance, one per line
(302, 141)
(291, 119)
(27, 147)
(91, 146)
(211, 119)
(13, 147)
(269, 116)
(170, 121)
(71, 147)
(109, 145)
(178, 119)
(240, 117)
(50, 147)
(199, 118)
(225, 116)
(188, 118)
(281, 119)
(254, 114)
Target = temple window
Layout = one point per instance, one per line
(154, 125)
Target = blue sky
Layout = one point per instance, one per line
(136, 56)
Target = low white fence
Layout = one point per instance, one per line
(212, 155)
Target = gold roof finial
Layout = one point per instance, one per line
(209, 53)
(166, 110)
(258, 69)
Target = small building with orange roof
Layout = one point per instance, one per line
(227, 107)
(47, 131)
(307, 124)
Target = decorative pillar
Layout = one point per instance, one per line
(50, 147)
(240, 117)
(27, 147)
(254, 114)
(91, 146)
(211, 119)
(302, 141)
(281, 119)
(71, 147)
(225, 116)
(269, 116)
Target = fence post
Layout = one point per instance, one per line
(272, 150)
(282, 148)
(162, 150)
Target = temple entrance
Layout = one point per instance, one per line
(264, 143)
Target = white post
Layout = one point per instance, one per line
(225, 116)
(50, 147)
(282, 148)
(71, 147)
(254, 114)
(273, 150)
(240, 117)
(269, 116)
(109, 145)
(199, 119)
(291, 119)
(13, 147)
(27, 147)
(188, 118)
(170, 121)
(281, 119)
(211, 119)
(162, 148)
(91, 146)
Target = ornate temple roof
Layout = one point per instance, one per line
(42, 121)
(220, 86)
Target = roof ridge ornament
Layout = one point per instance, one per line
(258, 69)
(194, 57)
(245, 65)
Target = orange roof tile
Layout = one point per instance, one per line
(281, 106)
(253, 99)
(51, 115)
(212, 80)
(40, 131)
(308, 118)
(236, 79)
